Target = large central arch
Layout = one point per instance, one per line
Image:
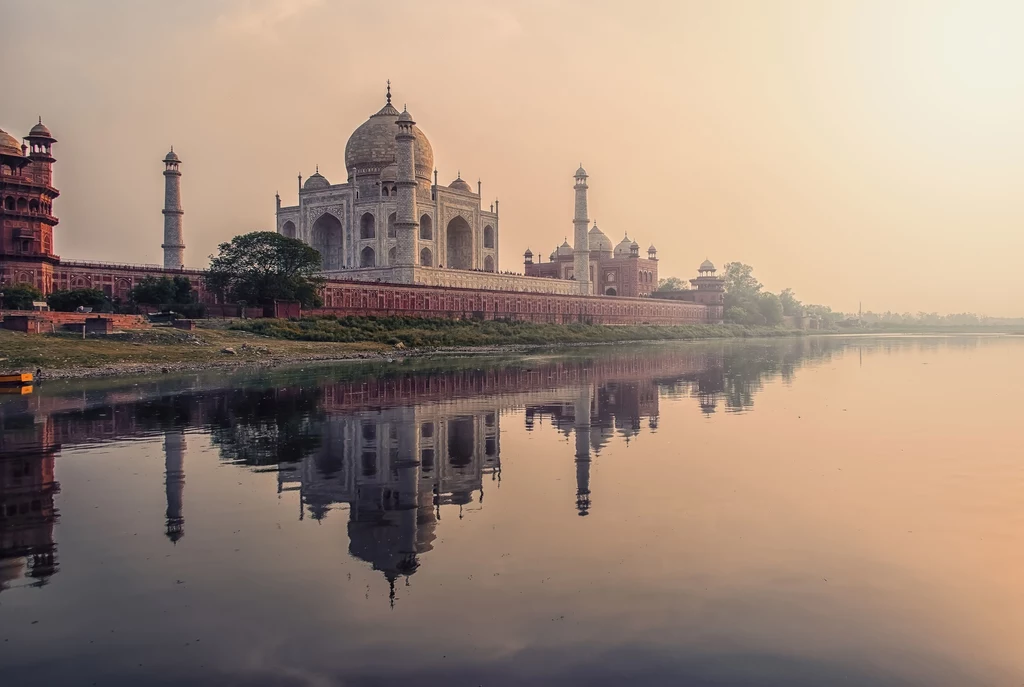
(327, 238)
(460, 244)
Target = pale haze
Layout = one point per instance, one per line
(857, 152)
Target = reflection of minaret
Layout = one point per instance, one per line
(174, 480)
(582, 408)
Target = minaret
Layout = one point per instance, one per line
(581, 237)
(174, 240)
(582, 430)
(406, 221)
(174, 481)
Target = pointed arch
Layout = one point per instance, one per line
(426, 228)
(326, 235)
(367, 258)
(460, 244)
(393, 255)
(367, 226)
(288, 229)
(488, 236)
(488, 264)
(392, 231)
(426, 258)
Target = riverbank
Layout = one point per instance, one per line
(229, 345)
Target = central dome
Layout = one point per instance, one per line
(372, 146)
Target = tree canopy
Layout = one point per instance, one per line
(163, 291)
(672, 284)
(264, 266)
(20, 296)
(70, 301)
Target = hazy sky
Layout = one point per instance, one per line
(855, 151)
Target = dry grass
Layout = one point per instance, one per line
(160, 346)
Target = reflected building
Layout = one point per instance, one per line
(394, 468)
(27, 510)
(174, 483)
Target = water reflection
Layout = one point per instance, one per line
(251, 510)
(391, 446)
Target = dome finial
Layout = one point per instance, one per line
(318, 169)
(460, 174)
(389, 91)
(40, 119)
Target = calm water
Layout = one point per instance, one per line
(801, 512)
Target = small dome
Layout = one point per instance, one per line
(581, 172)
(389, 173)
(172, 157)
(316, 182)
(9, 144)
(565, 248)
(599, 241)
(460, 185)
(553, 255)
(405, 116)
(635, 245)
(528, 253)
(707, 266)
(652, 249)
(40, 130)
(623, 247)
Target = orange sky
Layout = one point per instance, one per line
(855, 151)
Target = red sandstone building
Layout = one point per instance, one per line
(618, 271)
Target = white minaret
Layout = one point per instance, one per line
(406, 221)
(174, 239)
(581, 237)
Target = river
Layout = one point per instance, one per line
(812, 511)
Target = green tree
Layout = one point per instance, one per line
(739, 279)
(262, 266)
(163, 291)
(70, 301)
(770, 307)
(790, 305)
(20, 296)
(672, 284)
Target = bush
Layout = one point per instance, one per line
(20, 296)
(71, 300)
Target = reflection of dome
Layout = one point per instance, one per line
(372, 146)
(623, 247)
(460, 184)
(316, 182)
(599, 241)
(9, 144)
(565, 248)
(707, 266)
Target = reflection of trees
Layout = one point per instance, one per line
(267, 426)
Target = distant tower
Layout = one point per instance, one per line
(174, 239)
(710, 291)
(406, 221)
(581, 237)
(174, 481)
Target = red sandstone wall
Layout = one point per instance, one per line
(58, 319)
(354, 298)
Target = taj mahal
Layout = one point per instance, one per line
(391, 221)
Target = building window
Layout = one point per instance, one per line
(488, 237)
(426, 228)
(367, 227)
